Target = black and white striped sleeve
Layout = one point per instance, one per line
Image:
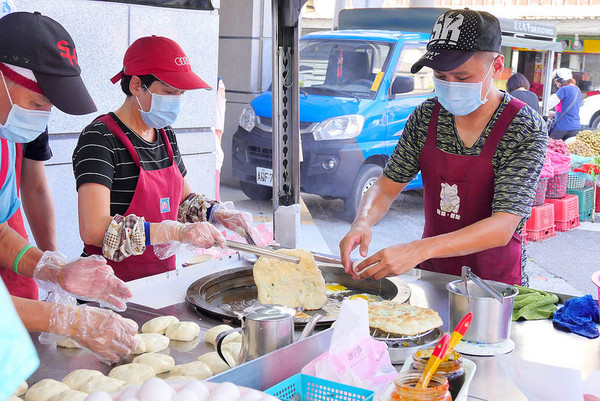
(94, 157)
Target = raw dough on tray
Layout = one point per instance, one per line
(183, 331)
(102, 383)
(160, 363)
(44, 390)
(198, 370)
(70, 395)
(151, 342)
(290, 284)
(211, 334)
(158, 324)
(214, 362)
(77, 378)
(22, 388)
(135, 373)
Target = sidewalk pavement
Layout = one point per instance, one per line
(312, 237)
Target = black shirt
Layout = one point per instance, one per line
(38, 149)
(101, 158)
(529, 98)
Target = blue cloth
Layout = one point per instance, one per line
(9, 201)
(569, 121)
(579, 315)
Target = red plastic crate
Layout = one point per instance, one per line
(567, 225)
(542, 217)
(541, 235)
(565, 209)
(597, 200)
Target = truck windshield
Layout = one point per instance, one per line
(342, 67)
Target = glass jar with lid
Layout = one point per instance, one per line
(452, 368)
(405, 389)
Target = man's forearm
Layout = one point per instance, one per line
(11, 244)
(492, 232)
(377, 201)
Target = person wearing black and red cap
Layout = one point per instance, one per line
(39, 69)
(135, 206)
(480, 153)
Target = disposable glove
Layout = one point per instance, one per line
(168, 235)
(234, 220)
(101, 331)
(88, 278)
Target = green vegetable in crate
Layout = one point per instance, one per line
(580, 148)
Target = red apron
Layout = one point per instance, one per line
(458, 191)
(157, 197)
(17, 285)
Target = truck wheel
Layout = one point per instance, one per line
(595, 122)
(366, 177)
(256, 191)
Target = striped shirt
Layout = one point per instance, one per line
(101, 158)
(517, 161)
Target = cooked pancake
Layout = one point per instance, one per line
(403, 319)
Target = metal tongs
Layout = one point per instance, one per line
(260, 251)
(467, 274)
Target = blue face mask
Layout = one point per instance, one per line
(23, 125)
(18, 358)
(461, 98)
(164, 110)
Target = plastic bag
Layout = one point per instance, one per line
(547, 169)
(354, 357)
(560, 163)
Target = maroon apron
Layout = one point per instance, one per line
(17, 285)
(157, 197)
(458, 191)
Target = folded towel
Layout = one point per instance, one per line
(579, 315)
(533, 304)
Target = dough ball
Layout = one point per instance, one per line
(179, 378)
(102, 383)
(70, 395)
(129, 393)
(155, 389)
(67, 343)
(229, 390)
(160, 363)
(198, 388)
(21, 389)
(155, 342)
(234, 348)
(135, 373)
(197, 370)
(132, 323)
(183, 331)
(214, 362)
(251, 395)
(79, 377)
(158, 324)
(44, 390)
(99, 396)
(212, 333)
(140, 347)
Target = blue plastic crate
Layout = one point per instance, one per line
(314, 389)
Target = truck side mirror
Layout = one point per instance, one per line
(402, 84)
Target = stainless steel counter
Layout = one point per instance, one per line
(536, 341)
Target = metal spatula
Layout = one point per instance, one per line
(260, 251)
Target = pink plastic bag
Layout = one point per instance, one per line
(354, 357)
(560, 163)
(547, 169)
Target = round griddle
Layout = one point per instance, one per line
(224, 295)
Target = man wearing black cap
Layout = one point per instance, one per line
(480, 152)
(39, 69)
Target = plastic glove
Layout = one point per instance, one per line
(241, 222)
(101, 331)
(170, 234)
(89, 278)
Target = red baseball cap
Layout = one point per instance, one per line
(163, 58)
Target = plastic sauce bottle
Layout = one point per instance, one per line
(406, 391)
(452, 368)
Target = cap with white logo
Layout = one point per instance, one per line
(163, 58)
(456, 36)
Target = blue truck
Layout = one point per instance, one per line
(356, 93)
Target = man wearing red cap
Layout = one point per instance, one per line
(39, 69)
(135, 206)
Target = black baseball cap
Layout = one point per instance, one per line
(40, 44)
(456, 36)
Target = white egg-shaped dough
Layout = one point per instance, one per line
(135, 373)
(77, 378)
(185, 395)
(129, 392)
(183, 331)
(158, 324)
(221, 397)
(228, 389)
(199, 389)
(198, 370)
(155, 389)
(102, 383)
(99, 396)
(179, 378)
(215, 362)
(211, 334)
(70, 395)
(45, 389)
(160, 363)
(251, 395)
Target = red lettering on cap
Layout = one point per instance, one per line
(65, 51)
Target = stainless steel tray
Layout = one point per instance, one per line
(401, 349)
(225, 294)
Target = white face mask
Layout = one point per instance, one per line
(461, 98)
(164, 110)
(23, 125)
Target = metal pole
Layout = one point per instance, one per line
(547, 82)
(286, 130)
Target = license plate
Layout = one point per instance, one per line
(264, 176)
